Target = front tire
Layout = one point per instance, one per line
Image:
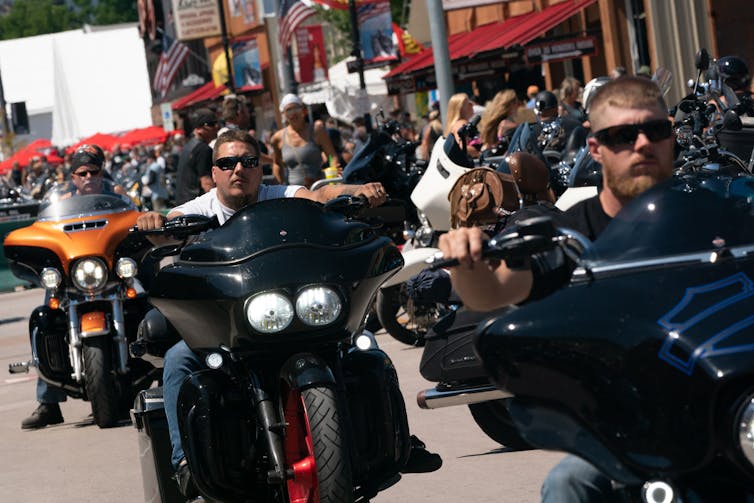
(101, 386)
(493, 418)
(315, 448)
(404, 320)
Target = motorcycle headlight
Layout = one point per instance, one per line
(269, 312)
(318, 305)
(89, 274)
(745, 429)
(50, 278)
(126, 268)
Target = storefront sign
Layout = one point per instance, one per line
(312, 57)
(196, 19)
(560, 50)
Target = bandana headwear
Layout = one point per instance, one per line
(290, 99)
(87, 155)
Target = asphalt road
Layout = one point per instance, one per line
(78, 462)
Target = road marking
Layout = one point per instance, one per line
(16, 380)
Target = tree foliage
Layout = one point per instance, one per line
(27, 18)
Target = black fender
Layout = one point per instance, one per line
(306, 370)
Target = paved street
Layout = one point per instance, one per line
(78, 462)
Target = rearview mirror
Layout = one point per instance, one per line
(702, 59)
(732, 122)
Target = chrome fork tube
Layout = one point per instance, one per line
(74, 343)
(120, 335)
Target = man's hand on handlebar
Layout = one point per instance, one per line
(153, 220)
(464, 244)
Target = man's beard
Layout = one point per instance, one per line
(628, 187)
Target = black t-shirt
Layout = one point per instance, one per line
(551, 270)
(194, 162)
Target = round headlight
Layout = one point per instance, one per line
(126, 267)
(746, 429)
(89, 274)
(318, 305)
(50, 278)
(269, 312)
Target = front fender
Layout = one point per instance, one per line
(305, 370)
(413, 263)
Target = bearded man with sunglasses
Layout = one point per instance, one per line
(633, 141)
(238, 181)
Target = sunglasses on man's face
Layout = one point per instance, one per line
(229, 163)
(83, 173)
(626, 134)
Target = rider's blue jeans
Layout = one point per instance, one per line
(574, 480)
(49, 394)
(180, 362)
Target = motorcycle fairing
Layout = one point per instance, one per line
(718, 312)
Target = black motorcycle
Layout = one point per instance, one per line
(642, 364)
(297, 403)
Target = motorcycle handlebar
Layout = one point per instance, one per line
(181, 227)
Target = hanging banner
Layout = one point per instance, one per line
(312, 59)
(375, 27)
(242, 8)
(247, 72)
(560, 50)
(196, 19)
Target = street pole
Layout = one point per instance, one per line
(439, 35)
(362, 98)
(224, 31)
(7, 138)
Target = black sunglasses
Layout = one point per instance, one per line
(626, 134)
(229, 163)
(93, 172)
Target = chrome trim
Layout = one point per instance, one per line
(436, 399)
(85, 225)
(587, 271)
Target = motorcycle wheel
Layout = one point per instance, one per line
(101, 386)
(494, 420)
(315, 448)
(403, 320)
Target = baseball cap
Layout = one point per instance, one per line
(290, 99)
(532, 90)
(202, 116)
(87, 155)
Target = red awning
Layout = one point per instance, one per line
(205, 93)
(37, 148)
(151, 135)
(105, 141)
(518, 30)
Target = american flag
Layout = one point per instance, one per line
(174, 53)
(292, 14)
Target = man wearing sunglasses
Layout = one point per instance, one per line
(237, 174)
(633, 141)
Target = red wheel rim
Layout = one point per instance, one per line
(299, 451)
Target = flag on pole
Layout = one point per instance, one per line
(174, 53)
(292, 14)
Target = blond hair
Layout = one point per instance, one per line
(625, 92)
(455, 105)
(503, 105)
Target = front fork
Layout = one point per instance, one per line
(75, 336)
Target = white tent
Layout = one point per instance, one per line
(80, 82)
(340, 93)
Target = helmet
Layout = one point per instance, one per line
(734, 72)
(545, 100)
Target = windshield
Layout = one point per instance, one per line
(276, 222)
(62, 202)
(676, 218)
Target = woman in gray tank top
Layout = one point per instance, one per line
(299, 146)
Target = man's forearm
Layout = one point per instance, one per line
(483, 289)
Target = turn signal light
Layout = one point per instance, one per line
(53, 303)
(131, 293)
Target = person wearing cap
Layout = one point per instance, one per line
(298, 148)
(87, 178)
(194, 169)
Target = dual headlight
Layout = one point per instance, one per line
(315, 306)
(90, 274)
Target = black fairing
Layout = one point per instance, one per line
(637, 363)
(282, 245)
(47, 330)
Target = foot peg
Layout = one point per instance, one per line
(19, 367)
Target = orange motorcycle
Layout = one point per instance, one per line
(80, 251)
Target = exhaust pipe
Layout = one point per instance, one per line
(436, 399)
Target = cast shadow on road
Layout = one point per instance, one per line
(89, 421)
(15, 319)
(499, 450)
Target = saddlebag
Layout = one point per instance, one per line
(449, 350)
(148, 416)
(378, 415)
(218, 434)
